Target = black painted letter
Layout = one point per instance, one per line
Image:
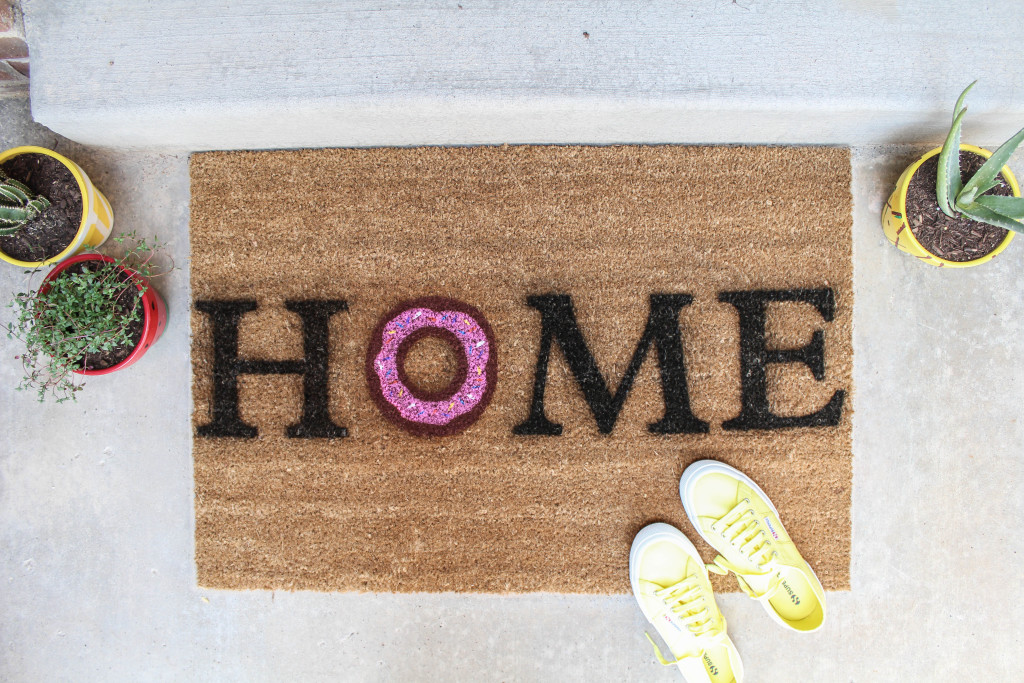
(316, 422)
(558, 322)
(754, 359)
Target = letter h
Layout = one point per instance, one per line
(225, 316)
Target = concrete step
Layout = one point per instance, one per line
(97, 505)
(265, 74)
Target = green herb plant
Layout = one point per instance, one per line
(957, 197)
(80, 313)
(18, 205)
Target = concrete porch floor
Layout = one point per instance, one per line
(96, 505)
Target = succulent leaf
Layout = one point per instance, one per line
(967, 198)
(18, 205)
(1011, 207)
(985, 176)
(11, 195)
(983, 214)
(948, 184)
(960, 100)
(14, 214)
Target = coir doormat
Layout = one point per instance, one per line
(484, 369)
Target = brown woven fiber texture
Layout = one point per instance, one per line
(490, 508)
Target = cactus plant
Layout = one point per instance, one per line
(956, 197)
(18, 205)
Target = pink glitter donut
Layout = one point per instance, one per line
(450, 410)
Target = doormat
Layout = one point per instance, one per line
(485, 369)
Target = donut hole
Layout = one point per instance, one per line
(432, 365)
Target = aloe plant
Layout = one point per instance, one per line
(18, 205)
(957, 197)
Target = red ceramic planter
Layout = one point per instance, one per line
(154, 311)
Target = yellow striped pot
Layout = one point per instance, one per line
(97, 216)
(898, 232)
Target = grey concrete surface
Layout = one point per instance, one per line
(265, 74)
(96, 507)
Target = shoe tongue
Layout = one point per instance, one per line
(760, 583)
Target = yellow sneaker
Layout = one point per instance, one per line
(671, 584)
(735, 516)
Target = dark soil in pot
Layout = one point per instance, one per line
(53, 230)
(105, 359)
(955, 238)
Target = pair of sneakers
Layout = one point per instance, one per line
(670, 581)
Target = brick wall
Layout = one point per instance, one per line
(13, 49)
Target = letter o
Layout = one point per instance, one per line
(454, 408)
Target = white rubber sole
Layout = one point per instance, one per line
(703, 467)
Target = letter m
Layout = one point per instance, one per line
(558, 323)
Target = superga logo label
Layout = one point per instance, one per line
(672, 621)
(457, 406)
(712, 669)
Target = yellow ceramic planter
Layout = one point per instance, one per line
(898, 231)
(97, 217)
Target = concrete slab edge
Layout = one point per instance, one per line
(248, 124)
